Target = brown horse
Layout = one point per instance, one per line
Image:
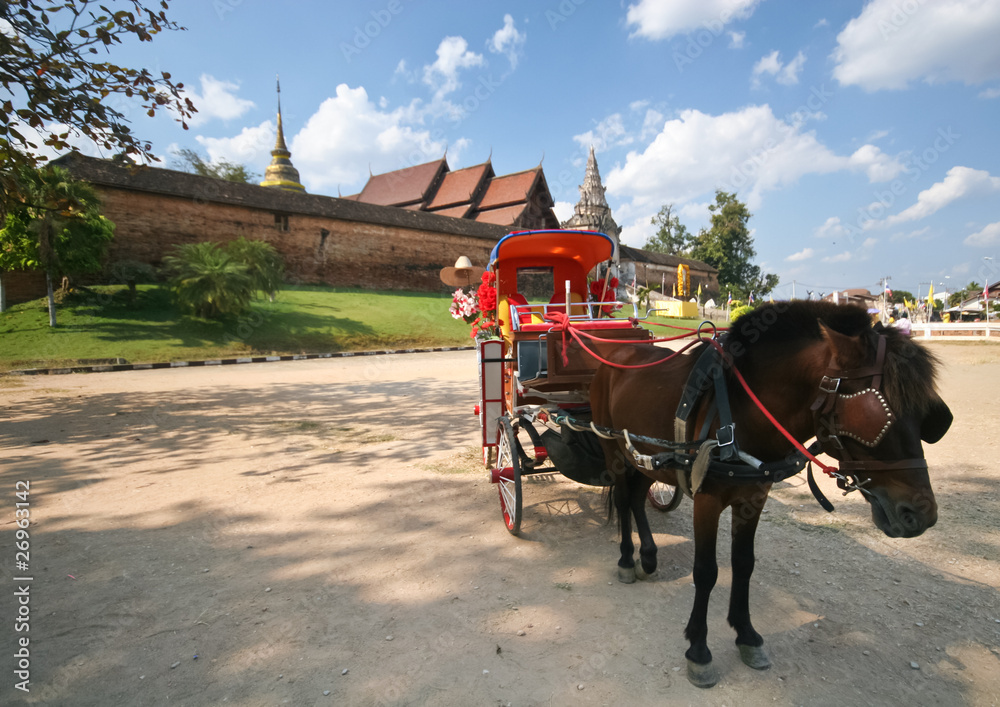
(867, 394)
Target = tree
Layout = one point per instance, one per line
(672, 236)
(973, 289)
(191, 161)
(901, 296)
(56, 227)
(208, 281)
(55, 84)
(263, 262)
(728, 246)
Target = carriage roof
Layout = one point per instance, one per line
(586, 248)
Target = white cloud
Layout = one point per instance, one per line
(990, 93)
(910, 235)
(832, 228)
(839, 258)
(610, 131)
(879, 166)
(749, 151)
(563, 210)
(988, 236)
(821, 23)
(348, 134)
(956, 41)
(217, 99)
(652, 123)
(804, 254)
(958, 183)
(771, 64)
(737, 40)
(655, 19)
(251, 147)
(453, 55)
(789, 75)
(508, 41)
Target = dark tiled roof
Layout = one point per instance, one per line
(639, 255)
(410, 185)
(208, 189)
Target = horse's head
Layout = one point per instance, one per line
(878, 403)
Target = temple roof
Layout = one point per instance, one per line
(520, 200)
(461, 186)
(410, 185)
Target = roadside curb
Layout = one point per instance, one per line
(108, 368)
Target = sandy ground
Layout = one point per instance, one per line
(320, 533)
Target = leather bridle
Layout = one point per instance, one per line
(864, 417)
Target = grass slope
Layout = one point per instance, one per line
(100, 323)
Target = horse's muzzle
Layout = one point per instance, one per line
(902, 519)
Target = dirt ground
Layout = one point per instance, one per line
(321, 533)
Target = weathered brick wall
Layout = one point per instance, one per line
(316, 250)
(22, 286)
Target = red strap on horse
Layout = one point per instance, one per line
(828, 470)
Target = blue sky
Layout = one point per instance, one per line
(863, 135)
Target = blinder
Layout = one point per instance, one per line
(864, 417)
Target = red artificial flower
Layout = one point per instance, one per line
(487, 295)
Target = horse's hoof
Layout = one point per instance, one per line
(702, 675)
(626, 575)
(755, 657)
(642, 574)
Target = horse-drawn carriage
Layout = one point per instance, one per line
(533, 373)
(724, 417)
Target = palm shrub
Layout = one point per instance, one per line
(264, 264)
(208, 280)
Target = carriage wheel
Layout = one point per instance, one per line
(664, 497)
(508, 475)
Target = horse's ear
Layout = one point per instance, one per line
(848, 351)
(936, 422)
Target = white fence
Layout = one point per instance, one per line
(957, 331)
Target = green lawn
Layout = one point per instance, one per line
(100, 323)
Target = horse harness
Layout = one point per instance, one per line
(862, 416)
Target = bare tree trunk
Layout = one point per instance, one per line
(52, 299)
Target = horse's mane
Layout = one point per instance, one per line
(910, 369)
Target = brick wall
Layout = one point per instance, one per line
(22, 286)
(315, 249)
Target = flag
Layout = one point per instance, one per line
(699, 292)
(930, 297)
(888, 292)
(770, 298)
(730, 300)
(986, 293)
(751, 298)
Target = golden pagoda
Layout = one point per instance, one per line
(280, 173)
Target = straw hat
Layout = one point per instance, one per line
(464, 274)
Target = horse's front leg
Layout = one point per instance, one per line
(746, 514)
(707, 509)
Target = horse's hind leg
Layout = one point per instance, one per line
(746, 513)
(622, 491)
(647, 546)
(707, 509)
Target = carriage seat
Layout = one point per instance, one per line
(575, 303)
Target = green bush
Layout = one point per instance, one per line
(264, 264)
(738, 312)
(208, 281)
